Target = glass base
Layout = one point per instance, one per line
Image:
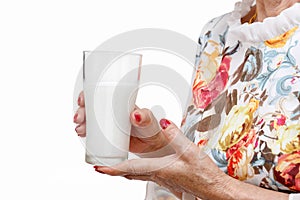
(104, 161)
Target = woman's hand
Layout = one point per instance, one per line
(146, 135)
(188, 170)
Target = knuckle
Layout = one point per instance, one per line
(81, 110)
(146, 111)
(190, 153)
(83, 134)
(173, 132)
(160, 175)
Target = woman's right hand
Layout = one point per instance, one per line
(146, 135)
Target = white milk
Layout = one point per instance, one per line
(108, 107)
(110, 89)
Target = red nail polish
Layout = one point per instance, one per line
(164, 123)
(137, 117)
(75, 117)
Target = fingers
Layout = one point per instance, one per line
(144, 122)
(135, 167)
(81, 130)
(141, 117)
(174, 136)
(79, 116)
(80, 100)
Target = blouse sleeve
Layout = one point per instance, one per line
(294, 196)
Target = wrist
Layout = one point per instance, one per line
(224, 187)
(213, 183)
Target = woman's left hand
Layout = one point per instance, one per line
(188, 170)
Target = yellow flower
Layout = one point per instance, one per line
(288, 139)
(281, 40)
(211, 61)
(237, 124)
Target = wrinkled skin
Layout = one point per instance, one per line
(188, 170)
(185, 169)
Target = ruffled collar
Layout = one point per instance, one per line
(261, 31)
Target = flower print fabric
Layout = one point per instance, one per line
(246, 96)
(245, 111)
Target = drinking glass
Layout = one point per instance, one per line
(110, 84)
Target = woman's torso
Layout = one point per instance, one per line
(246, 99)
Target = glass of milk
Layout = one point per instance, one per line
(110, 84)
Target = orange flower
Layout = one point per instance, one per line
(202, 142)
(287, 172)
(281, 40)
(239, 157)
(249, 138)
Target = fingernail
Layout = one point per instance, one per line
(98, 170)
(137, 117)
(79, 100)
(75, 117)
(164, 123)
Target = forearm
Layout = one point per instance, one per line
(247, 191)
(228, 188)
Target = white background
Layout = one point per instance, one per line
(41, 45)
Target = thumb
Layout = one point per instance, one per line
(144, 123)
(174, 136)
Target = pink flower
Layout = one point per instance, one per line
(279, 121)
(205, 93)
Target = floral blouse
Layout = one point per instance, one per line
(246, 98)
